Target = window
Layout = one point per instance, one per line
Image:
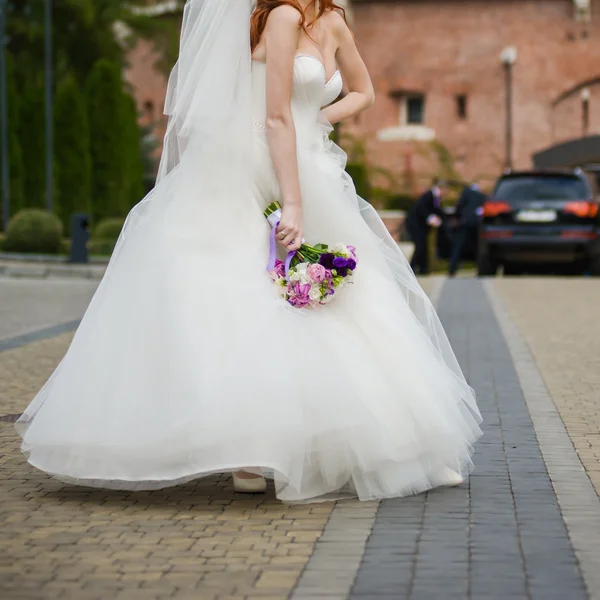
(542, 187)
(411, 123)
(585, 110)
(414, 109)
(461, 106)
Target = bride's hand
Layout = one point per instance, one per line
(289, 232)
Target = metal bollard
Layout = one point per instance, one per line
(79, 238)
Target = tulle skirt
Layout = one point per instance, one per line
(188, 363)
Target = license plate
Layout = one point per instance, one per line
(536, 216)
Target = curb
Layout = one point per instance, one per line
(46, 271)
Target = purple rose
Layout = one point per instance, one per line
(339, 262)
(351, 264)
(352, 251)
(327, 260)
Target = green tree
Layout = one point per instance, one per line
(71, 152)
(85, 31)
(106, 114)
(133, 148)
(15, 152)
(32, 137)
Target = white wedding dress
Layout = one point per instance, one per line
(188, 363)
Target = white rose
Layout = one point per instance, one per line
(343, 250)
(302, 273)
(315, 292)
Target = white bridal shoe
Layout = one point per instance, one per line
(249, 485)
(449, 478)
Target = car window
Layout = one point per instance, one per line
(542, 188)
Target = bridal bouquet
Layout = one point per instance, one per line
(313, 274)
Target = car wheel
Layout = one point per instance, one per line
(594, 266)
(485, 266)
(512, 270)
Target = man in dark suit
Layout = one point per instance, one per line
(426, 213)
(468, 214)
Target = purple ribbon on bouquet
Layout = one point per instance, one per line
(273, 253)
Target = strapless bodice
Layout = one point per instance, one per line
(311, 91)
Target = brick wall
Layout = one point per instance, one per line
(448, 48)
(149, 87)
(445, 48)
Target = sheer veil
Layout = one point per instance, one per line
(208, 104)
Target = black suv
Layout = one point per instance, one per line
(539, 217)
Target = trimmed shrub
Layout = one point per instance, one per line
(15, 152)
(105, 236)
(108, 229)
(401, 202)
(105, 106)
(32, 137)
(360, 176)
(72, 152)
(34, 231)
(133, 150)
(101, 247)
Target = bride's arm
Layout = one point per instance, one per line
(355, 74)
(282, 33)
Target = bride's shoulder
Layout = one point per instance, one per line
(336, 22)
(285, 14)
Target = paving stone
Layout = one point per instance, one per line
(501, 535)
(491, 536)
(59, 541)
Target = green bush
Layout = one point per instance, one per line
(400, 202)
(360, 176)
(35, 231)
(101, 247)
(15, 151)
(106, 113)
(32, 137)
(71, 152)
(105, 236)
(133, 153)
(108, 229)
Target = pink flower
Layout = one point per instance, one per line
(353, 252)
(317, 273)
(299, 295)
(279, 268)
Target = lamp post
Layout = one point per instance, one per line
(508, 57)
(5, 169)
(49, 112)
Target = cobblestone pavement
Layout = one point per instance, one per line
(29, 305)
(559, 320)
(499, 536)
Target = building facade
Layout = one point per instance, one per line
(441, 85)
(442, 68)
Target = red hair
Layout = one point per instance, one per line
(263, 8)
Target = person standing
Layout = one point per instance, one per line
(144, 398)
(426, 213)
(468, 214)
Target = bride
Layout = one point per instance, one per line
(187, 362)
